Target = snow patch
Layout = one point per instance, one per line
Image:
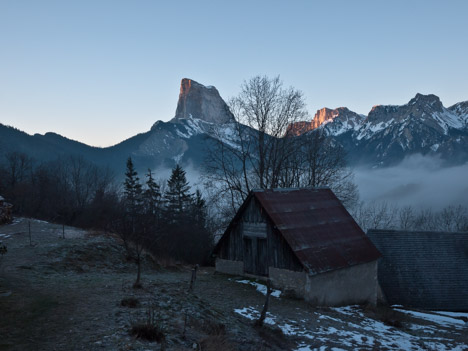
(435, 318)
(260, 288)
(363, 332)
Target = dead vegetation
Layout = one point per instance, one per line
(130, 302)
(387, 315)
(151, 329)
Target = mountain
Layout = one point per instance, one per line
(389, 133)
(342, 118)
(201, 117)
(197, 101)
(382, 138)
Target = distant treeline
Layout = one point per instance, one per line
(382, 215)
(76, 192)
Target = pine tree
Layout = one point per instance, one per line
(132, 188)
(199, 209)
(151, 195)
(177, 197)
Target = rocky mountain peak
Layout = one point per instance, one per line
(322, 116)
(202, 102)
(429, 101)
(460, 108)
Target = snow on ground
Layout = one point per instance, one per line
(260, 287)
(355, 330)
(453, 314)
(442, 320)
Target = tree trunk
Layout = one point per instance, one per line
(259, 322)
(137, 282)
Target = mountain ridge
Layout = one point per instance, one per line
(384, 137)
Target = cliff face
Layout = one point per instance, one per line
(202, 102)
(324, 116)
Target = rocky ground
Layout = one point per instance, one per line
(75, 293)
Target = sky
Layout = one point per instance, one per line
(101, 71)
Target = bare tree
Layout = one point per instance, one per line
(320, 161)
(263, 155)
(375, 215)
(407, 217)
(18, 165)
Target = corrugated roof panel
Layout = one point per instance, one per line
(320, 231)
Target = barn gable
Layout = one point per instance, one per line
(426, 270)
(307, 229)
(253, 239)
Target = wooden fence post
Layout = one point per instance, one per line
(194, 277)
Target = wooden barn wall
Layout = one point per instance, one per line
(279, 254)
(232, 249)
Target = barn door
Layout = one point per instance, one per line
(249, 256)
(262, 266)
(255, 256)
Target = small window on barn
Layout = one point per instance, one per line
(256, 230)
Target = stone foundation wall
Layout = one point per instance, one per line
(230, 267)
(347, 286)
(288, 281)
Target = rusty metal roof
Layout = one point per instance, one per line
(319, 230)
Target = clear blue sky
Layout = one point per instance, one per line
(102, 71)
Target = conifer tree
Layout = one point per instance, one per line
(132, 188)
(178, 198)
(133, 229)
(199, 209)
(151, 195)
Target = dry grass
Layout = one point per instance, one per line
(216, 343)
(147, 332)
(387, 315)
(213, 328)
(150, 330)
(130, 302)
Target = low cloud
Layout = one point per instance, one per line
(418, 180)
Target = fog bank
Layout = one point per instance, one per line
(418, 181)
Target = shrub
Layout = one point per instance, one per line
(150, 330)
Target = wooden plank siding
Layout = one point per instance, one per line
(255, 241)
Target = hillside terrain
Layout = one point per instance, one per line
(75, 293)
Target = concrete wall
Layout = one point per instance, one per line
(348, 286)
(352, 285)
(288, 281)
(230, 267)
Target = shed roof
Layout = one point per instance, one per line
(317, 227)
(426, 270)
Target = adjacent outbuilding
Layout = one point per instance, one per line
(427, 270)
(303, 240)
(5, 211)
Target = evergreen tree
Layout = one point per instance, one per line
(151, 195)
(178, 198)
(132, 188)
(199, 209)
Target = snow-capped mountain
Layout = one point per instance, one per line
(384, 137)
(335, 122)
(389, 133)
(201, 117)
